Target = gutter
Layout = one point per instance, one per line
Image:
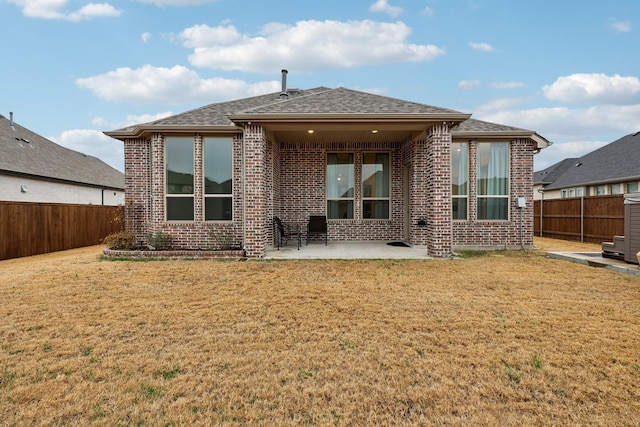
(139, 131)
(347, 117)
(601, 182)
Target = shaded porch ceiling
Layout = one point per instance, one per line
(344, 132)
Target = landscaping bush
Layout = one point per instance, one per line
(122, 240)
(160, 240)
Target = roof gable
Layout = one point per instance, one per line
(25, 152)
(616, 161)
(346, 101)
(333, 108)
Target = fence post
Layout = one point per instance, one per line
(582, 219)
(541, 191)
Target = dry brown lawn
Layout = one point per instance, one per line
(505, 338)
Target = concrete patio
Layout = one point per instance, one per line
(346, 250)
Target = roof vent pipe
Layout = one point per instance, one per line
(283, 93)
(11, 118)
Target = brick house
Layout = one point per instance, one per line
(378, 168)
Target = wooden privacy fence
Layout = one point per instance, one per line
(586, 219)
(37, 228)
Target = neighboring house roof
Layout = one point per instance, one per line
(618, 161)
(23, 152)
(333, 109)
(553, 172)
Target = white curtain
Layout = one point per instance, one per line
(498, 180)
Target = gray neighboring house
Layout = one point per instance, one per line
(34, 169)
(547, 176)
(612, 169)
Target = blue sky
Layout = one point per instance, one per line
(568, 69)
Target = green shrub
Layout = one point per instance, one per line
(122, 240)
(159, 240)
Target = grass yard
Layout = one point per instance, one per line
(504, 338)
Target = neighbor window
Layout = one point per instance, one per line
(459, 179)
(601, 190)
(340, 185)
(179, 179)
(493, 181)
(616, 188)
(632, 187)
(375, 186)
(218, 179)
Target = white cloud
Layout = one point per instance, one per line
(564, 123)
(385, 7)
(56, 9)
(507, 85)
(145, 37)
(499, 104)
(93, 143)
(483, 47)
(428, 11)
(202, 36)
(620, 26)
(131, 119)
(582, 88)
(468, 84)
(307, 46)
(175, 85)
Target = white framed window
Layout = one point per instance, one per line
(340, 185)
(601, 190)
(632, 187)
(218, 178)
(179, 178)
(459, 180)
(493, 181)
(376, 186)
(616, 189)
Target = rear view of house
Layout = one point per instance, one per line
(377, 168)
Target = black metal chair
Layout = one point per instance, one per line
(317, 227)
(284, 233)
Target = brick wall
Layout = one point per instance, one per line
(437, 174)
(302, 170)
(145, 201)
(288, 180)
(474, 233)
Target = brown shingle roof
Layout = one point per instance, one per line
(345, 101)
(25, 152)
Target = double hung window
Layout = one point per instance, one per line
(179, 180)
(493, 181)
(340, 185)
(218, 178)
(459, 180)
(375, 186)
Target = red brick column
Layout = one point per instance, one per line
(137, 177)
(438, 172)
(255, 174)
(431, 192)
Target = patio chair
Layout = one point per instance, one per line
(284, 233)
(317, 227)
